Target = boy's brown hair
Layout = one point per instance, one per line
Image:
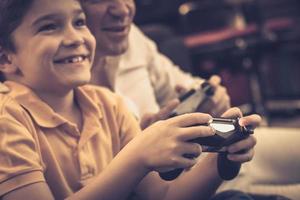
(11, 16)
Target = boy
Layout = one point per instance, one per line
(60, 138)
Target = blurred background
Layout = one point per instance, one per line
(254, 45)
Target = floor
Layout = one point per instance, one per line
(285, 120)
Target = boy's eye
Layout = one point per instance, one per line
(47, 28)
(80, 22)
(92, 1)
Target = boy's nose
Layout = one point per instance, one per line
(72, 37)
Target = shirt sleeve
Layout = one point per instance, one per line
(164, 74)
(20, 163)
(3, 88)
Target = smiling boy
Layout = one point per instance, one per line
(60, 138)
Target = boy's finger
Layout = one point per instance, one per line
(191, 119)
(186, 162)
(190, 133)
(253, 120)
(245, 157)
(192, 149)
(247, 143)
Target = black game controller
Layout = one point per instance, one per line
(228, 131)
(194, 99)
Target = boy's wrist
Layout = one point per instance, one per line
(136, 158)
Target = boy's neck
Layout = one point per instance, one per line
(66, 106)
(58, 102)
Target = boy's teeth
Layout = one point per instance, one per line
(74, 60)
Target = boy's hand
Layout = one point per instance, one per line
(243, 150)
(163, 144)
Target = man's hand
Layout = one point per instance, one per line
(217, 104)
(220, 102)
(149, 118)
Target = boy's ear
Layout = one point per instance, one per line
(5, 63)
(3, 57)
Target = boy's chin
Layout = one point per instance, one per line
(71, 84)
(81, 82)
(81, 79)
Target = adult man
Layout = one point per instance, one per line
(129, 63)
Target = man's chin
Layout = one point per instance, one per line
(117, 52)
(114, 49)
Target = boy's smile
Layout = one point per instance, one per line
(54, 48)
(71, 59)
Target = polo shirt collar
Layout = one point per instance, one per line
(41, 112)
(92, 114)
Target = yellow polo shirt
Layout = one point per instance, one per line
(39, 145)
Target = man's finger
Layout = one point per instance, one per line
(215, 80)
(233, 113)
(167, 109)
